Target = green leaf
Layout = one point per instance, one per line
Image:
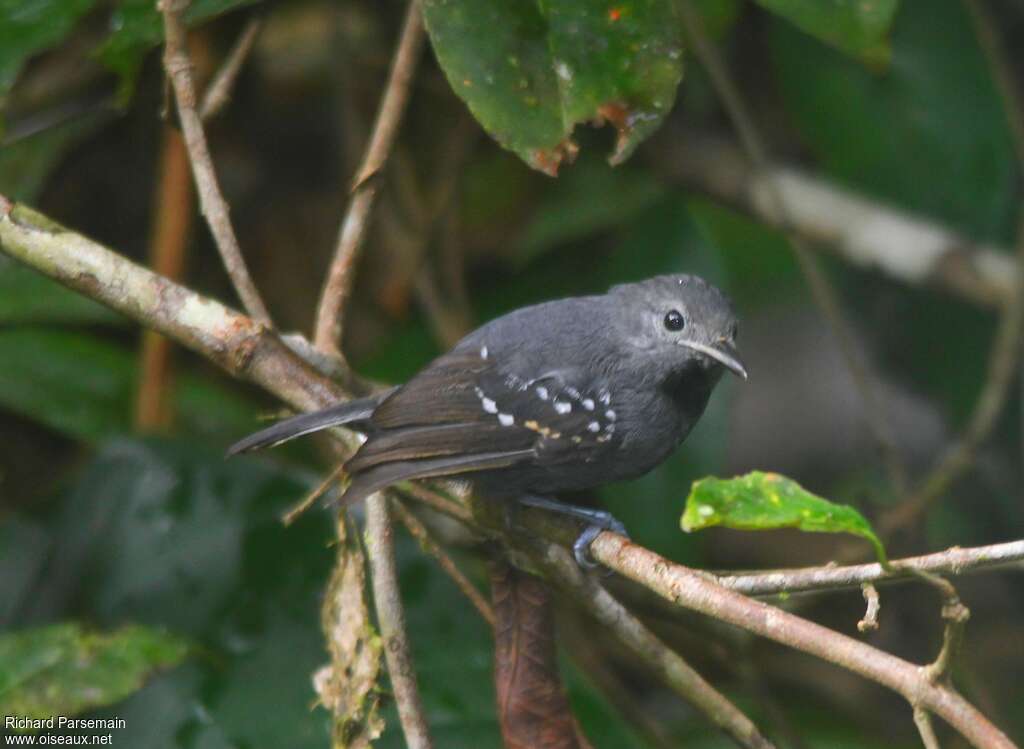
(28, 27)
(937, 97)
(530, 72)
(765, 501)
(62, 670)
(857, 27)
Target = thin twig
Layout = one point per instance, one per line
(419, 531)
(870, 621)
(218, 94)
(953, 561)
(692, 590)
(380, 550)
(923, 721)
(822, 292)
(1006, 348)
(338, 285)
(211, 200)
(300, 507)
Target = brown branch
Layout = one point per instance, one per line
(953, 561)
(692, 590)
(211, 200)
(338, 285)
(821, 291)
(419, 531)
(380, 550)
(218, 94)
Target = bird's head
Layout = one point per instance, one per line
(679, 324)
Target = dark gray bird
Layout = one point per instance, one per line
(560, 396)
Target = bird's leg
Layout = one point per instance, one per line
(596, 521)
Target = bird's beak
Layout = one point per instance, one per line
(723, 352)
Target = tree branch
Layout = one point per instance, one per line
(380, 550)
(218, 93)
(338, 286)
(862, 231)
(953, 561)
(692, 590)
(211, 200)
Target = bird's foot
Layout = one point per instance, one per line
(597, 522)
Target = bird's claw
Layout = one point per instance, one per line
(581, 546)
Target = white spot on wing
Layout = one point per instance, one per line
(588, 404)
(483, 352)
(542, 393)
(610, 415)
(594, 426)
(489, 405)
(606, 397)
(563, 407)
(506, 420)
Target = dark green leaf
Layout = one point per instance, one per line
(929, 135)
(765, 501)
(64, 670)
(530, 72)
(858, 27)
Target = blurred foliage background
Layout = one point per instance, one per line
(109, 519)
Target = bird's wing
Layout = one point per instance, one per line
(464, 413)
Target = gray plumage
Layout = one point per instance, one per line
(559, 396)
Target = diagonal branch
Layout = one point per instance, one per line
(211, 200)
(692, 590)
(338, 286)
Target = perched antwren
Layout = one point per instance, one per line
(560, 396)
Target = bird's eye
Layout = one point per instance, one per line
(675, 321)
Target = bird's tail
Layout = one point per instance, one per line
(298, 426)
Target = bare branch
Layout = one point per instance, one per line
(380, 549)
(822, 292)
(211, 200)
(338, 286)
(692, 590)
(953, 561)
(218, 94)
(862, 231)
(923, 721)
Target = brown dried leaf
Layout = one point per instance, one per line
(347, 686)
(532, 705)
